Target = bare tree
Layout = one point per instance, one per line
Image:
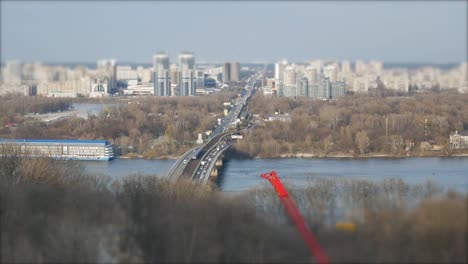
(362, 141)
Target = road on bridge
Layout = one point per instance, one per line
(186, 167)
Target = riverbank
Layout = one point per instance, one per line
(309, 155)
(142, 157)
(369, 155)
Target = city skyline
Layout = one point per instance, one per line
(395, 32)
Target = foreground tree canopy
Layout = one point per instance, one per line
(52, 211)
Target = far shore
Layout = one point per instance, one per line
(315, 156)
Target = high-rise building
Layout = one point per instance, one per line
(289, 90)
(231, 72)
(289, 86)
(279, 70)
(125, 72)
(302, 87)
(376, 67)
(345, 66)
(200, 80)
(289, 76)
(161, 73)
(146, 75)
(187, 78)
(331, 71)
(235, 69)
(317, 64)
(174, 74)
(324, 88)
(338, 89)
(360, 66)
(311, 74)
(226, 72)
(321, 89)
(107, 70)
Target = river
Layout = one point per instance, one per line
(87, 108)
(239, 175)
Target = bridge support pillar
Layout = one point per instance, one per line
(214, 173)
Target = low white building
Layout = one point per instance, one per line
(140, 89)
(459, 141)
(99, 89)
(59, 148)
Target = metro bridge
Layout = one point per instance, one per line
(201, 162)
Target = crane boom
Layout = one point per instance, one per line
(297, 218)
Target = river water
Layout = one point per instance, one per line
(93, 109)
(239, 175)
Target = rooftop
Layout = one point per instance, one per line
(461, 133)
(57, 141)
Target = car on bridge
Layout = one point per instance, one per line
(196, 153)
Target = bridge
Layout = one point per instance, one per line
(200, 163)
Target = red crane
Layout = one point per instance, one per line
(297, 218)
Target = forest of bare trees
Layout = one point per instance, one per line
(53, 211)
(356, 125)
(150, 127)
(14, 107)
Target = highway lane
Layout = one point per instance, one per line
(203, 172)
(189, 168)
(178, 167)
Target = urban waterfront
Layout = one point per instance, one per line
(240, 175)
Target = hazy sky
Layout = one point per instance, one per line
(392, 31)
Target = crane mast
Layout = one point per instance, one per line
(296, 217)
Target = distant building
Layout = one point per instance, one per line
(321, 89)
(161, 74)
(459, 140)
(99, 89)
(331, 71)
(226, 72)
(140, 89)
(200, 80)
(125, 72)
(174, 74)
(210, 83)
(345, 66)
(338, 89)
(283, 118)
(146, 75)
(235, 70)
(279, 69)
(231, 72)
(267, 90)
(289, 75)
(107, 70)
(311, 74)
(60, 149)
(302, 87)
(187, 78)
